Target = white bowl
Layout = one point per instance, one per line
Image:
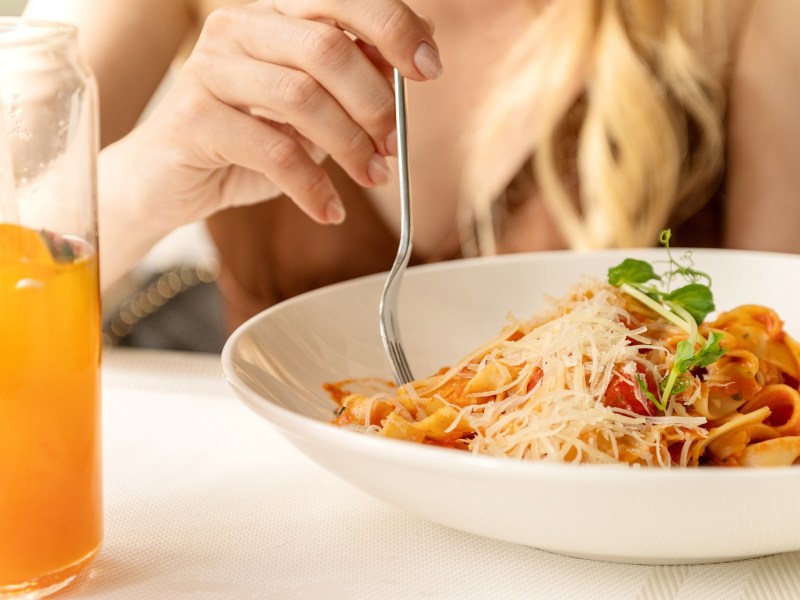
(278, 361)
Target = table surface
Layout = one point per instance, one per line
(205, 500)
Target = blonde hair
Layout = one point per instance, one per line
(615, 110)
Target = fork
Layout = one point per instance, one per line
(390, 325)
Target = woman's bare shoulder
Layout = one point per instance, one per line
(764, 130)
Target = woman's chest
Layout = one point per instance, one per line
(442, 115)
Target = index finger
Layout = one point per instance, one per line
(401, 36)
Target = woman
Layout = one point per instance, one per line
(552, 124)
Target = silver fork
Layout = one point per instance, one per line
(390, 325)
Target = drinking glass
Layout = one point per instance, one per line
(50, 462)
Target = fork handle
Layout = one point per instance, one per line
(402, 164)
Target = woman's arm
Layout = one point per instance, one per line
(763, 181)
(271, 88)
(128, 44)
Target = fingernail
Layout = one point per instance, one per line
(391, 143)
(378, 170)
(427, 61)
(334, 212)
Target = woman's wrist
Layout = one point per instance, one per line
(129, 224)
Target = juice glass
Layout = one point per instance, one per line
(50, 462)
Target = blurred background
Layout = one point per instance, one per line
(11, 8)
(170, 299)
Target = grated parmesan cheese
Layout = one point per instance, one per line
(551, 376)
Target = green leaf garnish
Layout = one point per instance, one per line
(648, 394)
(631, 270)
(680, 385)
(687, 359)
(695, 298)
(709, 353)
(686, 307)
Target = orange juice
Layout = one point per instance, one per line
(50, 463)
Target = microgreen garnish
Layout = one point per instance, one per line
(686, 358)
(686, 307)
(648, 394)
(694, 297)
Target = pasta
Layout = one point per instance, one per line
(602, 377)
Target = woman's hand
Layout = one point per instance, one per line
(271, 88)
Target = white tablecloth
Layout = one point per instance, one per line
(204, 500)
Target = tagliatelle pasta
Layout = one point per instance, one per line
(602, 377)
